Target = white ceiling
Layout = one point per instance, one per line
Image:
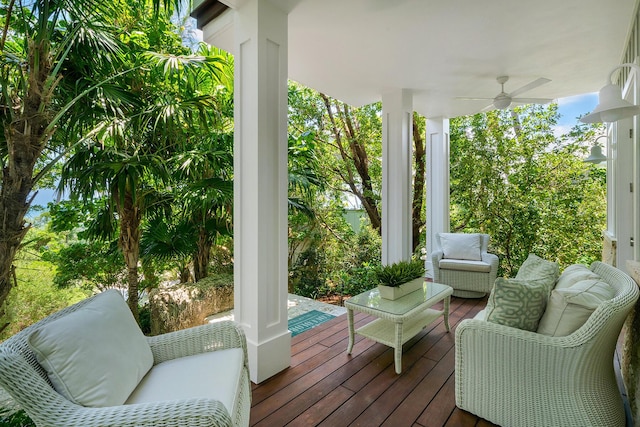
(355, 50)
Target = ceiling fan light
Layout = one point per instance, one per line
(611, 107)
(502, 102)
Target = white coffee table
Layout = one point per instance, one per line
(398, 320)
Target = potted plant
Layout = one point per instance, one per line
(400, 278)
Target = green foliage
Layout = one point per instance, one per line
(359, 279)
(513, 179)
(309, 272)
(89, 265)
(144, 319)
(9, 418)
(35, 296)
(400, 272)
(221, 261)
(215, 280)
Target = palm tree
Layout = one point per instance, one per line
(37, 101)
(129, 180)
(126, 158)
(201, 208)
(203, 169)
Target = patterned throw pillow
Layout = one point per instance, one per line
(517, 303)
(536, 268)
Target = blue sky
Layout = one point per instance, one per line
(572, 107)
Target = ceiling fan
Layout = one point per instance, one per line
(504, 100)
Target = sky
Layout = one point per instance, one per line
(572, 107)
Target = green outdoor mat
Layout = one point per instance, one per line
(307, 321)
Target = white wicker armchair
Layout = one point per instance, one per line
(469, 279)
(27, 382)
(517, 378)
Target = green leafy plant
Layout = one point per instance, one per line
(11, 418)
(400, 272)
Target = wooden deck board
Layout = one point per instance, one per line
(324, 386)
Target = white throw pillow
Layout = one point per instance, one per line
(95, 356)
(461, 246)
(574, 274)
(569, 308)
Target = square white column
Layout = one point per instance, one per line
(437, 185)
(260, 186)
(397, 120)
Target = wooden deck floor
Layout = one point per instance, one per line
(326, 387)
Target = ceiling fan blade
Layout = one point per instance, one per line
(466, 98)
(531, 100)
(534, 84)
(488, 108)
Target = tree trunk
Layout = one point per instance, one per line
(25, 138)
(418, 182)
(202, 256)
(354, 156)
(185, 274)
(130, 244)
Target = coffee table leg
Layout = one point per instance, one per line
(351, 330)
(447, 301)
(398, 348)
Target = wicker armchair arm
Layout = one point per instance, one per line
(491, 259)
(473, 328)
(187, 412)
(47, 407)
(494, 262)
(200, 339)
(437, 256)
(505, 358)
(513, 356)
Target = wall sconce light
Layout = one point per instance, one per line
(596, 155)
(611, 107)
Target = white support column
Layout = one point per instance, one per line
(397, 119)
(620, 194)
(260, 186)
(437, 185)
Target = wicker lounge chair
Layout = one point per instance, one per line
(28, 383)
(469, 278)
(517, 378)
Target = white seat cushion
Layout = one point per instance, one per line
(464, 265)
(214, 375)
(482, 315)
(94, 356)
(569, 308)
(461, 246)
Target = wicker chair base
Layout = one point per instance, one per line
(468, 294)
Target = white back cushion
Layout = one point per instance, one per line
(96, 355)
(574, 274)
(569, 308)
(461, 246)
